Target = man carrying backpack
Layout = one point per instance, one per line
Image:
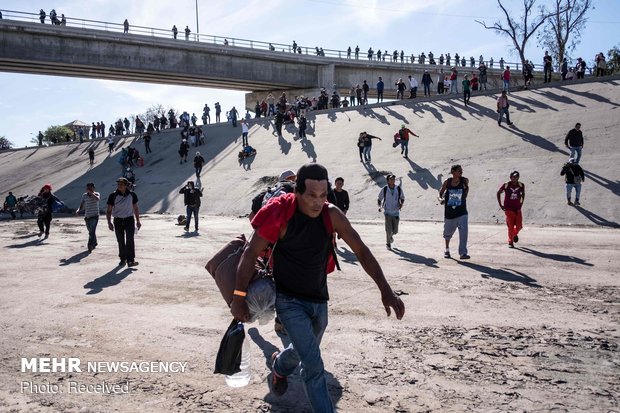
(302, 258)
(514, 195)
(391, 198)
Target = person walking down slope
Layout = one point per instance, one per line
(574, 142)
(10, 202)
(574, 177)
(199, 161)
(183, 150)
(403, 136)
(514, 196)
(391, 199)
(367, 139)
(453, 195)
(502, 108)
(244, 132)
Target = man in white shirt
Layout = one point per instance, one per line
(413, 87)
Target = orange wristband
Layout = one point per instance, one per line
(240, 293)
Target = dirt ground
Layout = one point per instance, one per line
(535, 329)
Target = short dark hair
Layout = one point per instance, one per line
(455, 167)
(577, 124)
(312, 171)
(90, 184)
(340, 178)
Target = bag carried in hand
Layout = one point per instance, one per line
(223, 267)
(228, 360)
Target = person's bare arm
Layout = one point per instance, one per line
(136, 213)
(368, 261)
(108, 214)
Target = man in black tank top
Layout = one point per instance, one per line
(300, 260)
(453, 195)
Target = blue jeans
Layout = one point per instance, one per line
(506, 85)
(91, 226)
(569, 190)
(453, 87)
(575, 150)
(189, 211)
(427, 89)
(503, 111)
(198, 171)
(404, 147)
(367, 150)
(305, 323)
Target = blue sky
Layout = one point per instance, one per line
(30, 103)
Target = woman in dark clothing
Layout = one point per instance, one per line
(45, 200)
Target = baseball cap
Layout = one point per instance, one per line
(514, 173)
(390, 176)
(286, 175)
(123, 180)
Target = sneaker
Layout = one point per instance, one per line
(515, 239)
(499, 123)
(446, 254)
(509, 123)
(90, 249)
(569, 203)
(40, 234)
(186, 228)
(132, 263)
(465, 257)
(511, 245)
(577, 202)
(388, 246)
(278, 384)
(122, 263)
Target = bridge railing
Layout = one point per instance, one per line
(246, 43)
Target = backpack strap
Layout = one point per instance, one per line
(329, 227)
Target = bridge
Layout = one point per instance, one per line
(93, 49)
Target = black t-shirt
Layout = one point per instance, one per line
(342, 200)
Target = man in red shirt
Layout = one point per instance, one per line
(514, 195)
(403, 138)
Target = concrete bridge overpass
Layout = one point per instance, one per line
(34, 48)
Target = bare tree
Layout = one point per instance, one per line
(519, 30)
(562, 32)
(5, 143)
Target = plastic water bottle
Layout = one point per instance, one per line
(243, 377)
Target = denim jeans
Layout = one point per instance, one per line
(506, 86)
(453, 87)
(198, 171)
(305, 323)
(569, 190)
(404, 147)
(91, 226)
(367, 150)
(503, 111)
(575, 150)
(427, 89)
(450, 225)
(189, 211)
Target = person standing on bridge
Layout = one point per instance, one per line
(426, 83)
(42, 16)
(175, 31)
(233, 116)
(125, 26)
(187, 32)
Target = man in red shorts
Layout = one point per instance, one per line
(514, 195)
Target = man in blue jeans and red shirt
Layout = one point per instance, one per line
(302, 258)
